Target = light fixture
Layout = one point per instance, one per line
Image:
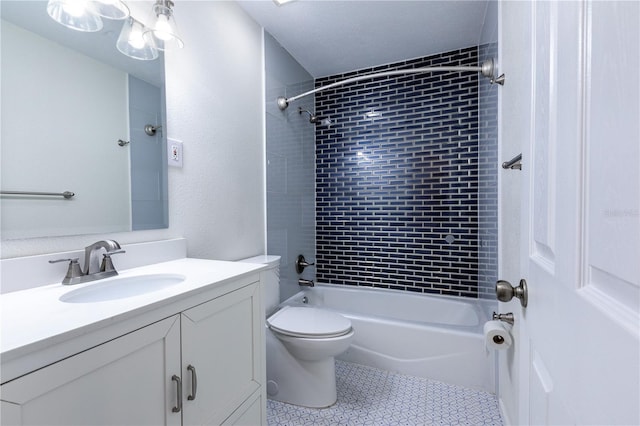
(111, 9)
(131, 43)
(136, 40)
(79, 15)
(164, 30)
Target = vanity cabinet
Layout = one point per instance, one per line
(222, 341)
(124, 381)
(204, 365)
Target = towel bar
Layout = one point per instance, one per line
(65, 194)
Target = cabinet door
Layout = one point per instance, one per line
(222, 342)
(126, 381)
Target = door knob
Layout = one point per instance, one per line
(505, 291)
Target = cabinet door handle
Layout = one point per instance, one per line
(178, 381)
(194, 382)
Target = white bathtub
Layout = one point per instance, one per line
(435, 337)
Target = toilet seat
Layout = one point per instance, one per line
(308, 322)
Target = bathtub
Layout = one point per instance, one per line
(434, 337)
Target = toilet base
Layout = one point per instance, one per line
(294, 381)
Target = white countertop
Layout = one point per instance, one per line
(34, 319)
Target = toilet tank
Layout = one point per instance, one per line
(271, 280)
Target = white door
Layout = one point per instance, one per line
(575, 72)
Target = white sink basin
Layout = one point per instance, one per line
(121, 287)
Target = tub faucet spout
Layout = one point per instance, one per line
(305, 283)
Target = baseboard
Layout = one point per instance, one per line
(503, 413)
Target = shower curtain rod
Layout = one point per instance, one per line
(487, 69)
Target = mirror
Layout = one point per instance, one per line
(68, 98)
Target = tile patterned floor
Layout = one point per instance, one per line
(369, 396)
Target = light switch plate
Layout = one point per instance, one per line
(174, 152)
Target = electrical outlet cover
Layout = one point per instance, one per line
(174, 152)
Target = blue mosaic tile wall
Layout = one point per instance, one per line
(397, 179)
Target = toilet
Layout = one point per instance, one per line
(301, 345)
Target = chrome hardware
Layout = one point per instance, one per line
(301, 263)
(508, 317)
(194, 383)
(91, 271)
(305, 283)
(305, 300)
(514, 163)
(73, 272)
(90, 255)
(487, 68)
(107, 264)
(123, 143)
(178, 381)
(75, 259)
(505, 292)
(313, 118)
(65, 194)
(498, 80)
(150, 129)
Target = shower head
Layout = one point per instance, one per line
(313, 119)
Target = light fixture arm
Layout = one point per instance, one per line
(487, 69)
(163, 7)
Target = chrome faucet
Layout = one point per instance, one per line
(305, 283)
(302, 263)
(92, 271)
(91, 255)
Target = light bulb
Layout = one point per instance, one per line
(162, 30)
(75, 8)
(79, 15)
(131, 41)
(135, 38)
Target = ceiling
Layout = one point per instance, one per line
(331, 37)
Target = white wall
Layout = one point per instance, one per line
(508, 211)
(489, 33)
(215, 106)
(510, 186)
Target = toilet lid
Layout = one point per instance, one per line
(308, 322)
